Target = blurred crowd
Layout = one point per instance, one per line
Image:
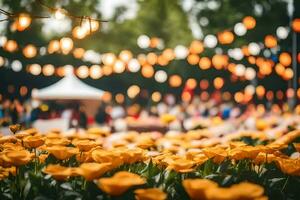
(166, 114)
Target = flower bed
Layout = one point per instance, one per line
(194, 165)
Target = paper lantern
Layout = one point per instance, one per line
(296, 25)
(204, 63)
(29, 51)
(196, 47)
(225, 37)
(53, 46)
(79, 32)
(23, 21)
(133, 91)
(193, 59)
(285, 59)
(156, 96)
(66, 45)
(249, 22)
(147, 71)
(175, 81)
(218, 82)
(270, 41)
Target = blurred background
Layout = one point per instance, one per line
(141, 51)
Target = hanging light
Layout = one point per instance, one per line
(60, 14)
(196, 47)
(254, 48)
(249, 22)
(66, 45)
(270, 41)
(180, 52)
(119, 67)
(156, 96)
(48, 70)
(53, 46)
(133, 91)
(29, 51)
(125, 55)
(240, 29)
(175, 81)
(218, 83)
(225, 37)
(79, 32)
(16, 66)
(285, 59)
(282, 32)
(95, 72)
(204, 63)
(83, 71)
(35, 69)
(108, 58)
(147, 71)
(143, 41)
(23, 21)
(296, 25)
(11, 46)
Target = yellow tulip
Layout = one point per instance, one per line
(58, 172)
(150, 194)
(62, 152)
(91, 171)
(196, 187)
(120, 183)
(33, 141)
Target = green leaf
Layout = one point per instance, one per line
(26, 189)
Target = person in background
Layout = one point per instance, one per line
(82, 118)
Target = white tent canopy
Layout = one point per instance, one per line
(68, 88)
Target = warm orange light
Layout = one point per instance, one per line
(218, 82)
(225, 37)
(219, 61)
(168, 54)
(270, 41)
(288, 74)
(162, 61)
(133, 91)
(109, 59)
(196, 47)
(260, 91)
(147, 71)
(249, 22)
(119, 98)
(191, 83)
(151, 58)
(11, 46)
(83, 71)
(154, 42)
(29, 51)
(239, 97)
(193, 59)
(53, 46)
(296, 25)
(285, 59)
(107, 70)
(48, 70)
(125, 56)
(95, 72)
(66, 45)
(204, 63)
(186, 97)
(106, 97)
(156, 96)
(35, 69)
(79, 32)
(78, 53)
(245, 50)
(23, 90)
(280, 69)
(175, 81)
(23, 21)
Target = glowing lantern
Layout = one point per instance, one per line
(133, 91)
(53, 46)
(196, 47)
(239, 97)
(48, 70)
(78, 53)
(156, 96)
(288, 74)
(226, 37)
(218, 83)
(151, 58)
(147, 71)
(168, 54)
(35, 69)
(11, 46)
(296, 25)
(106, 97)
(279, 68)
(193, 59)
(219, 61)
(154, 42)
(66, 45)
(23, 21)
(107, 70)
(125, 55)
(260, 91)
(285, 59)
(79, 32)
(270, 41)
(90, 25)
(249, 22)
(120, 98)
(186, 96)
(175, 81)
(162, 61)
(204, 63)
(109, 59)
(95, 72)
(161, 76)
(191, 83)
(83, 71)
(29, 51)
